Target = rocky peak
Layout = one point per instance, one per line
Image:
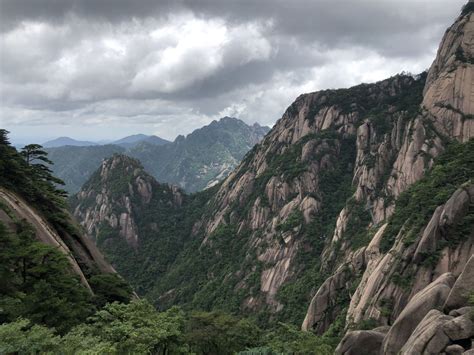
(113, 195)
(448, 94)
(324, 141)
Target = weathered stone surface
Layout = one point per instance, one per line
(427, 338)
(461, 311)
(113, 207)
(464, 286)
(454, 349)
(460, 327)
(448, 90)
(358, 342)
(322, 301)
(431, 297)
(376, 289)
(429, 239)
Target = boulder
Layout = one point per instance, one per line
(431, 297)
(461, 311)
(428, 337)
(463, 287)
(460, 327)
(367, 342)
(454, 349)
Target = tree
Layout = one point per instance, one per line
(110, 288)
(137, 328)
(33, 152)
(21, 337)
(288, 339)
(220, 333)
(37, 283)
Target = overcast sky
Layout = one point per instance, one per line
(102, 69)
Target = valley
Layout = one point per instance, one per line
(346, 228)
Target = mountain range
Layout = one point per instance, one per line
(64, 141)
(347, 229)
(127, 142)
(353, 216)
(199, 160)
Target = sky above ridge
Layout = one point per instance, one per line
(103, 69)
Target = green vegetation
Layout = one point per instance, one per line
(294, 219)
(35, 282)
(137, 328)
(461, 56)
(372, 104)
(356, 229)
(415, 206)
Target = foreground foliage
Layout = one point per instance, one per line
(137, 328)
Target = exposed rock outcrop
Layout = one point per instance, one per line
(430, 298)
(448, 95)
(361, 342)
(462, 289)
(377, 290)
(113, 194)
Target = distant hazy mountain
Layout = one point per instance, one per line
(63, 141)
(74, 165)
(197, 161)
(131, 141)
(204, 157)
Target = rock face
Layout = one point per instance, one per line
(124, 210)
(377, 287)
(421, 328)
(432, 297)
(361, 342)
(111, 195)
(447, 108)
(448, 94)
(462, 289)
(324, 141)
(80, 252)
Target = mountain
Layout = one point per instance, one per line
(132, 218)
(74, 165)
(352, 218)
(195, 162)
(202, 158)
(66, 141)
(131, 141)
(51, 274)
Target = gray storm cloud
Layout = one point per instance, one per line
(171, 66)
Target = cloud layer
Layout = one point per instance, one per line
(101, 69)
